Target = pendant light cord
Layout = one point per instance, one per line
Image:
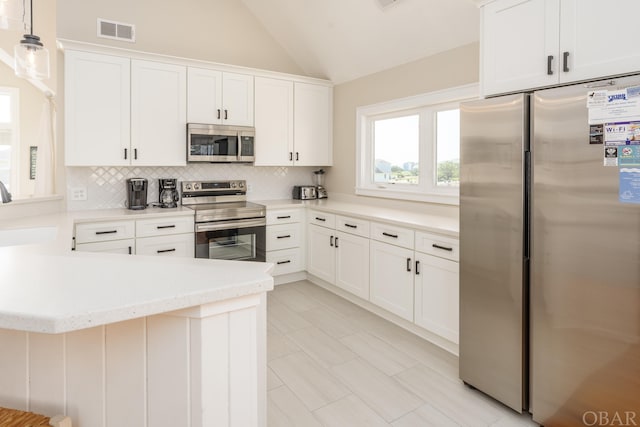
(31, 15)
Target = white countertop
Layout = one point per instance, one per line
(412, 219)
(46, 287)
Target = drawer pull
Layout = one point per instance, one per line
(163, 251)
(160, 227)
(283, 262)
(351, 226)
(284, 237)
(98, 233)
(321, 219)
(284, 217)
(444, 248)
(395, 236)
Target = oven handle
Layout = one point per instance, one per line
(225, 225)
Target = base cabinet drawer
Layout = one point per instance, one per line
(286, 261)
(164, 226)
(392, 234)
(178, 245)
(104, 231)
(284, 216)
(438, 245)
(125, 246)
(283, 236)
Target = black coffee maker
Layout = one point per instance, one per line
(137, 193)
(168, 188)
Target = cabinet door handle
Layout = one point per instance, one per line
(226, 114)
(284, 217)
(160, 227)
(549, 61)
(444, 248)
(135, 154)
(417, 267)
(331, 241)
(162, 251)
(290, 156)
(125, 154)
(351, 226)
(297, 156)
(395, 236)
(336, 242)
(408, 264)
(284, 237)
(219, 114)
(129, 250)
(98, 233)
(283, 262)
(321, 219)
(565, 62)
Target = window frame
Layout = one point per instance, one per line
(427, 105)
(14, 128)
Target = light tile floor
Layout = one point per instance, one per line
(332, 363)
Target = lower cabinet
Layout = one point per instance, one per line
(285, 236)
(352, 264)
(321, 254)
(162, 236)
(437, 296)
(392, 279)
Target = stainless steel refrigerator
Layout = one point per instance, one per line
(549, 261)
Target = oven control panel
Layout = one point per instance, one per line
(214, 187)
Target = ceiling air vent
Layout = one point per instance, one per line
(116, 30)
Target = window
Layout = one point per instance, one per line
(410, 148)
(9, 151)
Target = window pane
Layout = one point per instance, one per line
(448, 148)
(5, 166)
(5, 108)
(396, 149)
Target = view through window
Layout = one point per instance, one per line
(397, 149)
(448, 148)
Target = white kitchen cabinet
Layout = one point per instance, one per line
(527, 44)
(340, 258)
(158, 113)
(312, 120)
(352, 264)
(437, 295)
(164, 226)
(274, 122)
(284, 240)
(321, 254)
(216, 97)
(125, 247)
(102, 231)
(172, 245)
(391, 284)
(97, 109)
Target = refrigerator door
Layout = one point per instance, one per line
(494, 137)
(585, 281)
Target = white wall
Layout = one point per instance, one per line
(213, 30)
(445, 70)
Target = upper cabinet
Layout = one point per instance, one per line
(121, 112)
(216, 97)
(158, 113)
(97, 109)
(293, 123)
(527, 44)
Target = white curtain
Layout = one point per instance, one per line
(46, 162)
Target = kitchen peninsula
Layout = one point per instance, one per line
(115, 340)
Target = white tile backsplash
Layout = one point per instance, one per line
(106, 186)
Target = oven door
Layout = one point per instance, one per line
(240, 240)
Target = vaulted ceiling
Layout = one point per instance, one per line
(345, 39)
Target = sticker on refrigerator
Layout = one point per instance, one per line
(629, 185)
(629, 155)
(618, 106)
(596, 134)
(611, 156)
(622, 133)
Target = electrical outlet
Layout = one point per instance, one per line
(249, 188)
(78, 194)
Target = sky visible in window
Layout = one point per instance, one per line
(397, 139)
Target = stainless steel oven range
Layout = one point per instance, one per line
(226, 225)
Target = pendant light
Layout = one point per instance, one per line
(13, 15)
(31, 57)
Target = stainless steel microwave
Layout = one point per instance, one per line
(220, 143)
